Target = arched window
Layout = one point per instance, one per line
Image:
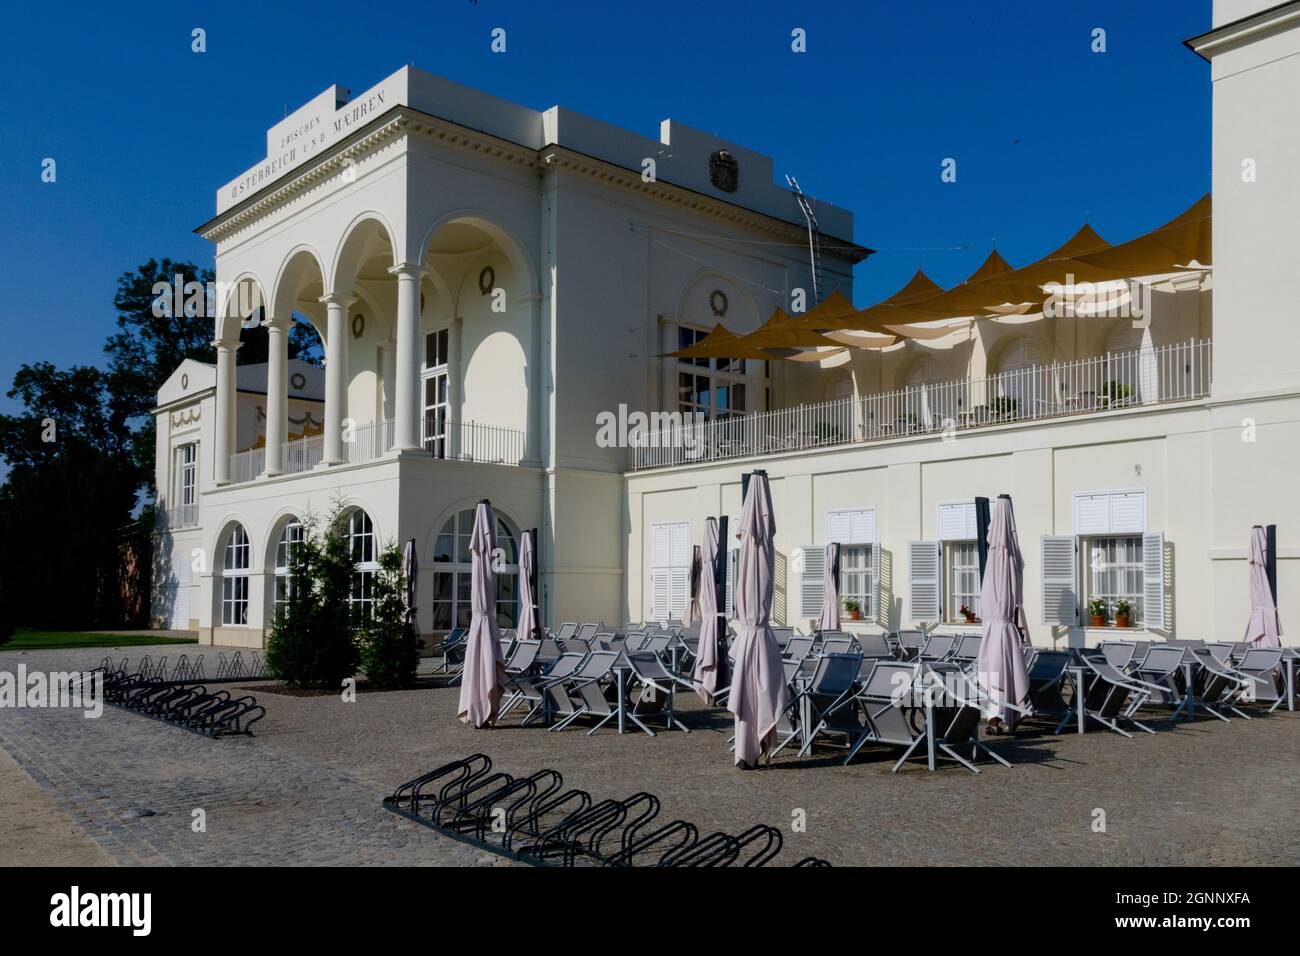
(365, 557)
(234, 578)
(1018, 386)
(451, 573)
(290, 539)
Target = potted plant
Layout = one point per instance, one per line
(853, 609)
(1097, 612)
(968, 614)
(1123, 612)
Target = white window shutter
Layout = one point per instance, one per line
(679, 580)
(660, 545)
(923, 591)
(681, 544)
(877, 610)
(1060, 577)
(812, 582)
(839, 527)
(1128, 512)
(1153, 580)
(862, 526)
(1091, 514)
(659, 595)
(957, 521)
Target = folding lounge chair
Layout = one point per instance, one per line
(837, 643)
(585, 693)
(1262, 666)
(1112, 695)
(587, 632)
(797, 648)
(783, 636)
(829, 697)
(1221, 650)
(1162, 668)
(938, 647)
(1220, 683)
(525, 687)
(910, 644)
(967, 649)
(566, 631)
(887, 706)
(1118, 653)
(656, 689)
(453, 642)
(956, 712)
(1047, 680)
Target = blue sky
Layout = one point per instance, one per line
(1045, 132)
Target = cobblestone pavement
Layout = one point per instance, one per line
(307, 788)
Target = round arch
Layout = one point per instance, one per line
(746, 318)
(302, 270)
(518, 256)
(364, 238)
(236, 301)
(232, 571)
(448, 553)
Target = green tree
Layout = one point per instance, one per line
(312, 642)
(390, 649)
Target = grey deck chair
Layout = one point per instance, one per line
(830, 696)
(1047, 679)
(910, 644)
(656, 643)
(797, 648)
(1112, 695)
(938, 647)
(888, 709)
(566, 631)
(787, 726)
(1162, 667)
(783, 636)
(1240, 648)
(528, 688)
(1222, 651)
(1118, 653)
(585, 693)
(967, 649)
(839, 643)
(1220, 684)
(875, 647)
(691, 630)
(549, 653)
(1262, 666)
(452, 643)
(655, 690)
(633, 641)
(587, 632)
(956, 713)
(520, 666)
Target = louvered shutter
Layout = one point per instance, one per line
(923, 590)
(1128, 512)
(1153, 580)
(1091, 514)
(659, 594)
(1060, 576)
(729, 594)
(812, 582)
(957, 521)
(877, 591)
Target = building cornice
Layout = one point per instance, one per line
(1284, 16)
(403, 121)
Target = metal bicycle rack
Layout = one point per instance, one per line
(235, 667)
(213, 713)
(536, 820)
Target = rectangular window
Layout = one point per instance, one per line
(435, 349)
(234, 600)
(1114, 573)
(962, 575)
(670, 569)
(855, 576)
(185, 512)
(717, 387)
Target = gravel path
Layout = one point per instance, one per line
(307, 788)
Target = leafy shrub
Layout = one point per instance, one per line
(389, 645)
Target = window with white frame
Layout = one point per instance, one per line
(713, 387)
(962, 576)
(1114, 574)
(855, 532)
(187, 484)
(453, 576)
(435, 384)
(234, 578)
(365, 560)
(670, 569)
(290, 540)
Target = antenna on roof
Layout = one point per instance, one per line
(814, 236)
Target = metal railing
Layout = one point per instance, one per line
(452, 441)
(473, 441)
(180, 516)
(1167, 373)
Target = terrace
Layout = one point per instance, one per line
(1095, 385)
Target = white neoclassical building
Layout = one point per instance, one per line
(488, 279)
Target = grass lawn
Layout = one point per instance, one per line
(41, 640)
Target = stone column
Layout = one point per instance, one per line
(224, 435)
(336, 375)
(407, 374)
(277, 395)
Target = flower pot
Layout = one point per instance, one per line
(1121, 620)
(970, 618)
(1098, 620)
(855, 615)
